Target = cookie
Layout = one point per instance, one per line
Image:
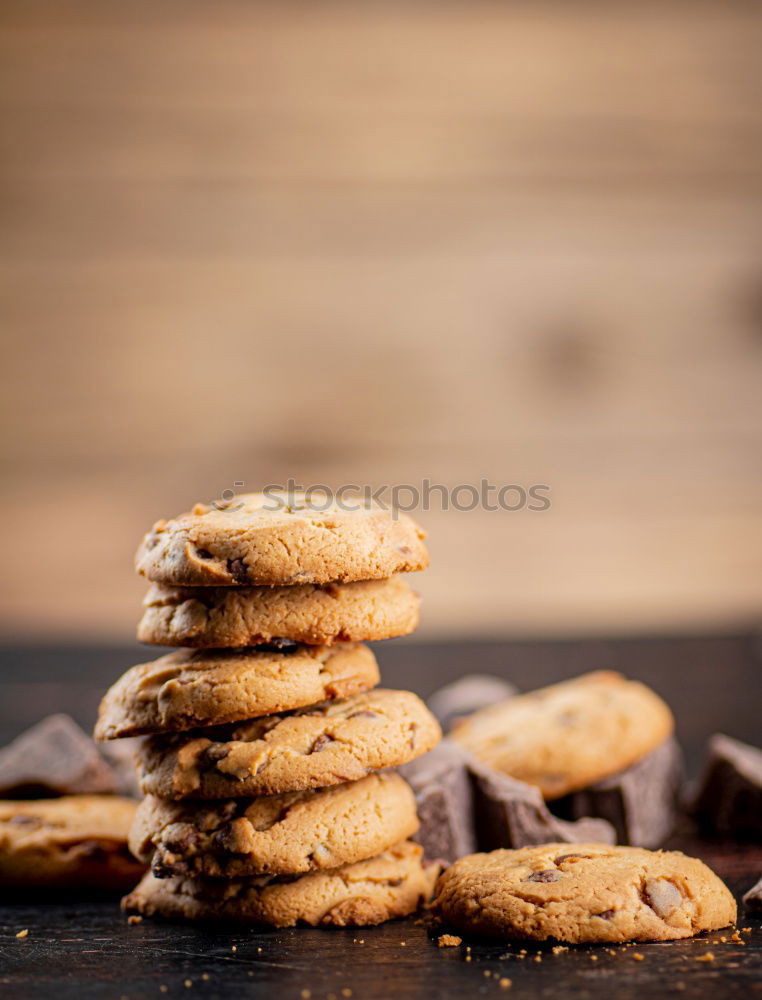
(393, 884)
(77, 841)
(280, 540)
(584, 893)
(311, 748)
(569, 735)
(188, 689)
(209, 617)
(275, 835)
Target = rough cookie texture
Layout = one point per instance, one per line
(393, 884)
(310, 748)
(284, 541)
(77, 841)
(278, 834)
(209, 617)
(569, 735)
(187, 689)
(584, 893)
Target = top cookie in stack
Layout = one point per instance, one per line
(271, 719)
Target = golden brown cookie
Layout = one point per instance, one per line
(569, 735)
(76, 841)
(187, 689)
(277, 834)
(209, 617)
(393, 884)
(280, 540)
(311, 748)
(583, 893)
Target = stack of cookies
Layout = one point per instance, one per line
(265, 744)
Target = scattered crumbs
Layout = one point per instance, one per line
(538, 958)
(23, 934)
(736, 938)
(636, 955)
(559, 948)
(449, 941)
(361, 941)
(746, 930)
(723, 939)
(134, 918)
(611, 951)
(706, 957)
(504, 983)
(305, 995)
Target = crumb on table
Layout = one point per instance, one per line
(449, 941)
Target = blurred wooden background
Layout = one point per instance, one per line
(379, 242)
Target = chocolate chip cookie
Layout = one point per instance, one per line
(275, 835)
(280, 540)
(187, 689)
(310, 748)
(569, 735)
(76, 841)
(393, 884)
(583, 893)
(209, 617)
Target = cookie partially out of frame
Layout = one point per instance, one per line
(76, 841)
(311, 748)
(569, 735)
(275, 835)
(188, 689)
(209, 617)
(279, 539)
(583, 893)
(392, 884)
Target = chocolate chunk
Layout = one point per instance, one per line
(321, 742)
(443, 795)
(640, 802)
(237, 569)
(511, 813)
(662, 896)
(467, 695)
(753, 898)
(729, 800)
(548, 875)
(55, 757)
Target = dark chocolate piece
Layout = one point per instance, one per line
(443, 795)
(55, 757)
(729, 800)
(467, 695)
(753, 898)
(640, 802)
(511, 813)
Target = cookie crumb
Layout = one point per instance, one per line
(593, 958)
(23, 934)
(163, 988)
(234, 948)
(538, 958)
(468, 958)
(746, 930)
(559, 948)
(706, 957)
(204, 975)
(135, 918)
(305, 995)
(188, 983)
(403, 944)
(636, 955)
(346, 992)
(736, 938)
(449, 941)
(504, 983)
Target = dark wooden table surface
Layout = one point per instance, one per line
(83, 948)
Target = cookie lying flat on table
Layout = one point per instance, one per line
(569, 735)
(311, 748)
(77, 841)
(208, 617)
(278, 834)
(280, 540)
(188, 689)
(585, 893)
(392, 884)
